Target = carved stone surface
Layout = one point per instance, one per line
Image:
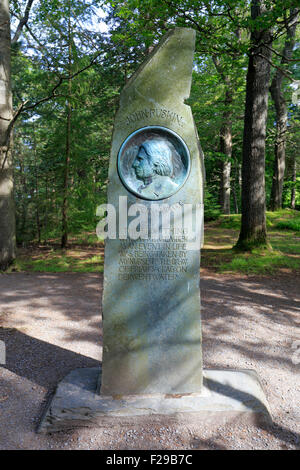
(151, 300)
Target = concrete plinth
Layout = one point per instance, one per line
(226, 395)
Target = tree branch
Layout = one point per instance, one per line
(286, 74)
(60, 81)
(22, 22)
(281, 55)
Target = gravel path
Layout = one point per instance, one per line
(51, 324)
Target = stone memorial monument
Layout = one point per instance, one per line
(151, 301)
(152, 362)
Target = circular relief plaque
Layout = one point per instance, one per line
(153, 163)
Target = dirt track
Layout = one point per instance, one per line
(51, 323)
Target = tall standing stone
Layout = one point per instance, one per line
(151, 300)
(151, 303)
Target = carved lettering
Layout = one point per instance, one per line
(160, 113)
(152, 259)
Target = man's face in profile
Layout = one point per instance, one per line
(143, 165)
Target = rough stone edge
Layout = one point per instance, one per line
(164, 39)
(95, 419)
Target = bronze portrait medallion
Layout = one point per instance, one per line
(153, 163)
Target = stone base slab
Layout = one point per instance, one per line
(226, 395)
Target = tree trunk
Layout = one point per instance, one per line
(253, 227)
(236, 186)
(21, 226)
(225, 187)
(64, 237)
(47, 205)
(281, 118)
(226, 149)
(37, 195)
(7, 210)
(225, 139)
(294, 180)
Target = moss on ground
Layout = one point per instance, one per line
(282, 253)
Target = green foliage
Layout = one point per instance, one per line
(264, 263)
(211, 208)
(61, 263)
(231, 221)
(63, 40)
(281, 219)
(220, 237)
(40, 134)
(289, 224)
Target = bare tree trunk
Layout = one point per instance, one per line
(64, 237)
(235, 202)
(253, 228)
(226, 149)
(24, 204)
(281, 117)
(7, 210)
(236, 186)
(47, 205)
(7, 206)
(37, 195)
(225, 139)
(294, 180)
(225, 187)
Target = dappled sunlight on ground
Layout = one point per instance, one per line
(51, 324)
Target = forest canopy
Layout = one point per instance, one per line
(69, 61)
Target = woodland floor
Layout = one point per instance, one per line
(51, 324)
(85, 252)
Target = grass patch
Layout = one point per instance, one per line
(89, 239)
(220, 237)
(293, 224)
(60, 264)
(231, 221)
(85, 252)
(288, 245)
(281, 219)
(264, 263)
